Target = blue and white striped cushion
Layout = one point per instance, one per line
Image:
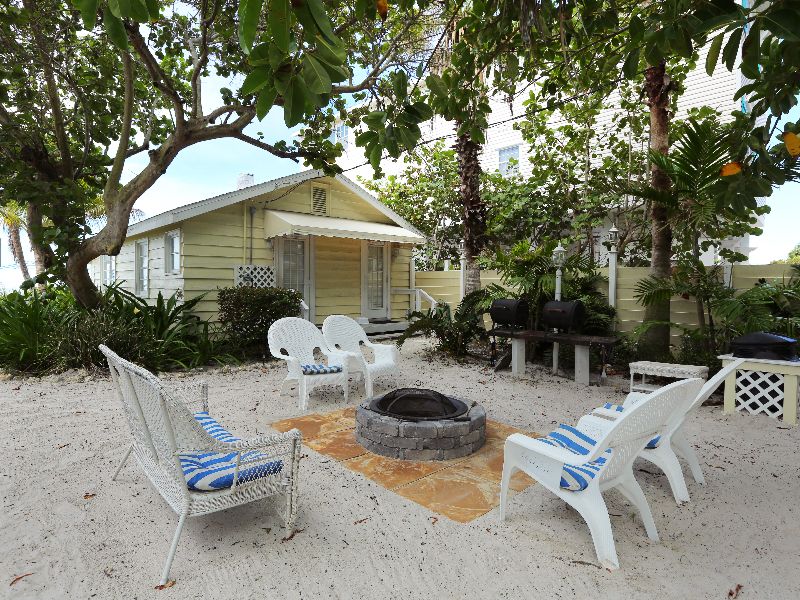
(320, 369)
(575, 477)
(210, 471)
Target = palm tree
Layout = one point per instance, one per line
(11, 216)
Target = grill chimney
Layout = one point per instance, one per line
(244, 180)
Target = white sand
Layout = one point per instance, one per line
(62, 438)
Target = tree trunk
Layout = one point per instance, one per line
(473, 208)
(15, 244)
(43, 257)
(655, 342)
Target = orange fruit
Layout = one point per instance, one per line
(792, 142)
(383, 8)
(732, 168)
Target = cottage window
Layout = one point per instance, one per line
(508, 159)
(173, 251)
(142, 267)
(109, 269)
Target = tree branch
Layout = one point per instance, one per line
(125, 134)
(160, 79)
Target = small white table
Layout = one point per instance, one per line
(658, 369)
(761, 386)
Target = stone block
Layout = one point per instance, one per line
(453, 429)
(410, 454)
(421, 429)
(471, 437)
(457, 452)
(384, 426)
(438, 443)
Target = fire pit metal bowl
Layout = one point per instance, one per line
(419, 424)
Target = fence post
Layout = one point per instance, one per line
(462, 278)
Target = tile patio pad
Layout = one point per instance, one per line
(462, 489)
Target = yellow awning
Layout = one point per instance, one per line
(279, 223)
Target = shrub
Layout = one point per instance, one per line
(46, 331)
(246, 314)
(454, 331)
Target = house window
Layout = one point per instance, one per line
(109, 269)
(142, 267)
(341, 134)
(505, 156)
(173, 251)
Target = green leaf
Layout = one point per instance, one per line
(315, 75)
(317, 10)
(276, 56)
(294, 101)
(332, 54)
(631, 65)
(751, 52)
(153, 9)
(681, 43)
(120, 8)
(266, 98)
(88, 10)
(400, 85)
(437, 86)
(279, 11)
(637, 28)
(259, 55)
(337, 73)
(139, 11)
(375, 154)
(115, 30)
(375, 119)
(713, 53)
(249, 13)
(784, 23)
(365, 138)
(255, 80)
(731, 49)
(423, 111)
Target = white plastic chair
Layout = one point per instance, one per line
(343, 333)
(183, 450)
(294, 340)
(578, 468)
(664, 450)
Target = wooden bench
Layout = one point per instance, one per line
(658, 369)
(582, 343)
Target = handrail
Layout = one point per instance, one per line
(419, 295)
(305, 308)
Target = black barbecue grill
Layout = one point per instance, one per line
(768, 346)
(509, 313)
(564, 316)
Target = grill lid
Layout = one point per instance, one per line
(764, 345)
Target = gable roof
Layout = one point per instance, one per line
(195, 209)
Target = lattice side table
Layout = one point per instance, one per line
(761, 386)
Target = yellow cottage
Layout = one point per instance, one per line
(325, 236)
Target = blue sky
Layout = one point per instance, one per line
(211, 168)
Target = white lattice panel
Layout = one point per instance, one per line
(254, 276)
(759, 392)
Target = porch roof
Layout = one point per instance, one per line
(279, 222)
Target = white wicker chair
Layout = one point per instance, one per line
(293, 340)
(664, 450)
(168, 436)
(343, 333)
(578, 467)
